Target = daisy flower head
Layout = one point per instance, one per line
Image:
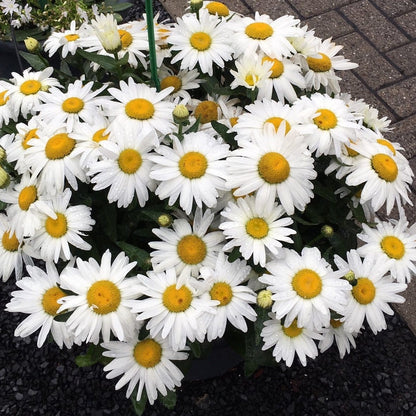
(288, 341)
(320, 67)
(101, 296)
(38, 298)
(192, 170)
(62, 227)
(343, 339)
(391, 241)
(369, 299)
(146, 363)
(186, 247)
(273, 165)
(139, 105)
(262, 33)
(26, 91)
(7, 111)
(305, 288)
(67, 108)
(106, 30)
(385, 176)
(334, 125)
(125, 167)
(224, 283)
(173, 309)
(284, 75)
(204, 42)
(255, 230)
(216, 8)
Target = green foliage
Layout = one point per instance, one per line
(169, 401)
(91, 357)
(139, 406)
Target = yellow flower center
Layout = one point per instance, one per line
(58, 227)
(3, 100)
(140, 109)
(364, 291)
(259, 30)
(293, 330)
(386, 143)
(216, 7)
(206, 111)
(171, 81)
(147, 353)
(191, 249)
(200, 41)
(31, 134)
(251, 79)
(335, 323)
(273, 168)
(222, 292)
(276, 121)
(59, 146)
(233, 121)
(193, 165)
(100, 136)
(129, 161)
(177, 300)
(104, 297)
(27, 196)
(257, 228)
(322, 64)
(32, 86)
(393, 247)
(73, 105)
(10, 242)
(326, 120)
(277, 66)
(71, 37)
(50, 300)
(126, 38)
(307, 283)
(385, 167)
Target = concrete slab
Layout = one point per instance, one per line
(404, 132)
(394, 8)
(308, 8)
(407, 22)
(329, 24)
(404, 58)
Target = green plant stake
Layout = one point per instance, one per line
(152, 43)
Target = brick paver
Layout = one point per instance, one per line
(380, 35)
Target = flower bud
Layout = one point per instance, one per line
(264, 299)
(180, 114)
(2, 154)
(4, 179)
(195, 5)
(32, 45)
(350, 277)
(165, 220)
(106, 30)
(327, 231)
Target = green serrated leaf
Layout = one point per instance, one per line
(106, 62)
(119, 7)
(234, 255)
(35, 61)
(169, 401)
(222, 130)
(194, 127)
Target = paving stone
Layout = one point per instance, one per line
(404, 58)
(408, 23)
(407, 310)
(273, 8)
(330, 24)
(401, 96)
(308, 8)
(404, 132)
(375, 70)
(372, 24)
(396, 7)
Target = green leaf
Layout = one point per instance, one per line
(106, 62)
(62, 317)
(35, 61)
(358, 213)
(196, 349)
(234, 255)
(194, 127)
(92, 356)
(108, 213)
(302, 221)
(119, 7)
(222, 130)
(169, 401)
(139, 406)
(135, 253)
(324, 192)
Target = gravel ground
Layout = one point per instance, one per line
(378, 378)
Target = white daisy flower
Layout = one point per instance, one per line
(173, 308)
(65, 227)
(7, 111)
(371, 296)
(26, 91)
(186, 247)
(145, 363)
(343, 339)
(288, 341)
(273, 165)
(139, 105)
(224, 284)
(77, 103)
(38, 297)
(255, 231)
(9, 7)
(105, 28)
(100, 302)
(202, 41)
(391, 240)
(262, 33)
(305, 288)
(126, 166)
(386, 177)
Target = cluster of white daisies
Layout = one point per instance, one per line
(129, 140)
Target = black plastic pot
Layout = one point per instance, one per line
(8, 58)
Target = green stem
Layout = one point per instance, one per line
(152, 43)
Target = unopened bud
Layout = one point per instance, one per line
(350, 277)
(180, 114)
(195, 5)
(4, 179)
(32, 45)
(327, 231)
(2, 154)
(264, 299)
(165, 220)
